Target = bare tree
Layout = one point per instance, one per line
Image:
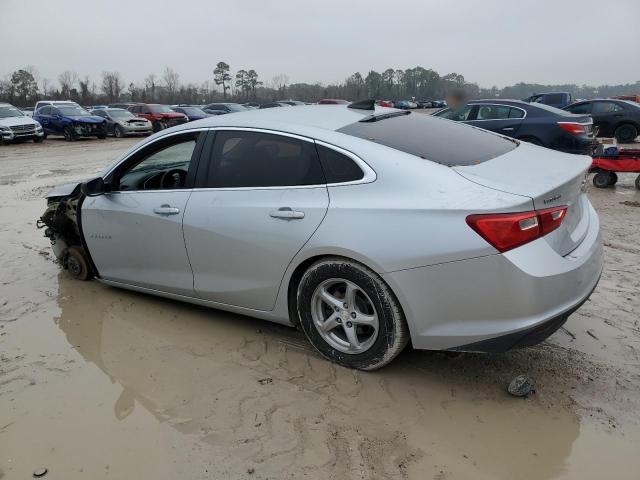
(84, 90)
(68, 80)
(112, 85)
(45, 83)
(150, 86)
(280, 83)
(170, 78)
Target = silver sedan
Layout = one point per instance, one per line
(365, 227)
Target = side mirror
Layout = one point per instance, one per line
(94, 187)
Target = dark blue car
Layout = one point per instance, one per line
(531, 122)
(192, 113)
(70, 120)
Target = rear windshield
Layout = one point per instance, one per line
(436, 139)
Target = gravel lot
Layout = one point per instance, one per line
(97, 382)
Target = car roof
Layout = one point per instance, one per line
(506, 101)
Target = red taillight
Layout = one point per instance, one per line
(506, 231)
(573, 128)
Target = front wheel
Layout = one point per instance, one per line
(69, 134)
(159, 125)
(638, 182)
(350, 315)
(118, 132)
(38, 139)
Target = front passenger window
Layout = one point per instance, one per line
(160, 167)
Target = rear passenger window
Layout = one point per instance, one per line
(516, 113)
(252, 159)
(493, 112)
(338, 168)
(606, 107)
(580, 108)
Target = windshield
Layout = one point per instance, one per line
(193, 111)
(120, 113)
(160, 109)
(73, 111)
(234, 107)
(7, 111)
(441, 141)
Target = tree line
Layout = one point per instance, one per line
(26, 86)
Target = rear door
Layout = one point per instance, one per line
(260, 198)
(503, 119)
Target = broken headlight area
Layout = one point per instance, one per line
(60, 221)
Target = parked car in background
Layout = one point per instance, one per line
(612, 118)
(224, 108)
(425, 104)
(535, 123)
(631, 98)
(121, 122)
(70, 120)
(553, 99)
(43, 103)
(251, 105)
(121, 105)
(161, 116)
(28, 111)
(274, 105)
(385, 103)
(293, 103)
(193, 113)
(15, 126)
(292, 215)
(333, 101)
(405, 104)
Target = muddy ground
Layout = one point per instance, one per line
(97, 382)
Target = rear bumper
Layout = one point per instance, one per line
(500, 301)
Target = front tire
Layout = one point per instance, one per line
(77, 264)
(69, 134)
(350, 315)
(118, 132)
(38, 140)
(626, 133)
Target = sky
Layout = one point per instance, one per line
(490, 42)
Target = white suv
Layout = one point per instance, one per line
(15, 125)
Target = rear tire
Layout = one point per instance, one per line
(366, 335)
(77, 264)
(604, 179)
(626, 133)
(638, 182)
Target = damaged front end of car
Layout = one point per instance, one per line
(61, 221)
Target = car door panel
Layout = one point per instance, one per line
(240, 243)
(130, 243)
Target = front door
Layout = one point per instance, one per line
(262, 197)
(134, 233)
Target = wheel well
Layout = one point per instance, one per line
(297, 274)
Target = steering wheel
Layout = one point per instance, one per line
(174, 178)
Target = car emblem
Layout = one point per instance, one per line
(552, 199)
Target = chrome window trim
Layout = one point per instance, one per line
(369, 173)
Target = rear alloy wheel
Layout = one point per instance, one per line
(69, 134)
(638, 182)
(350, 315)
(118, 132)
(605, 179)
(626, 133)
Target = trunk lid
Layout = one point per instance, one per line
(549, 178)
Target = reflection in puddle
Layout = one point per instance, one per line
(199, 370)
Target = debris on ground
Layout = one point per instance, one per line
(521, 386)
(265, 381)
(40, 472)
(592, 335)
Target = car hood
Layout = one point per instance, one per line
(91, 119)
(15, 121)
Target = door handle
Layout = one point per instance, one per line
(287, 214)
(166, 210)
(508, 129)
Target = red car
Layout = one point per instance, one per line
(332, 101)
(161, 116)
(385, 103)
